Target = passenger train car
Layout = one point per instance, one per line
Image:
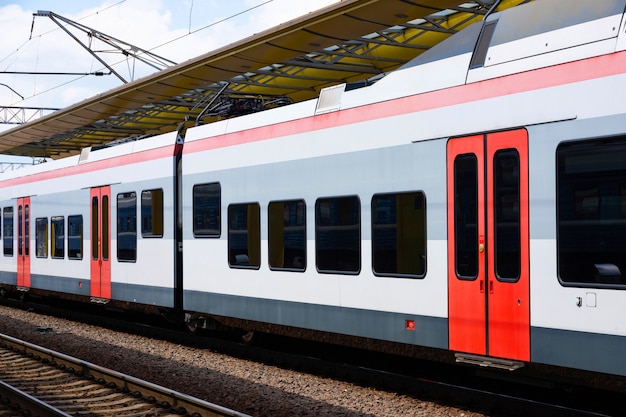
(473, 201)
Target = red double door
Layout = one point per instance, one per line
(23, 242)
(100, 242)
(488, 244)
(100, 251)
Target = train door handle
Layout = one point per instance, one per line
(490, 287)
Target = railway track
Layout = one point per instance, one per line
(48, 383)
(16, 403)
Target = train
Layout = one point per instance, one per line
(471, 202)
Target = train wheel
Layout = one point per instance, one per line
(247, 336)
(195, 323)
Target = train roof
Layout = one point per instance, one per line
(524, 22)
(348, 42)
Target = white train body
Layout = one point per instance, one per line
(293, 216)
(60, 190)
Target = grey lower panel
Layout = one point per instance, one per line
(588, 351)
(9, 278)
(429, 331)
(141, 294)
(61, 284)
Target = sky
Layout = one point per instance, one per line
(174, 29)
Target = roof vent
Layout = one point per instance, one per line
(84, 155)
(330, 99)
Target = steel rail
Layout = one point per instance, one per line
(25, 401)
(160, 395)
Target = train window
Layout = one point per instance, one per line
(127, 227)
(591, 214)
(399, 234)
(287, 235)
(244, 235)
(75, 237)
(7, 231)
(57, 237)
(152, 213)
(27, 230)
(507, 215)
(338, 234)
(41, 237)
(207, 210)
(94, 229)
(20, 231)
(466, 216)
(105, 228)
(23, 229)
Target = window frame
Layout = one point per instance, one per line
(54, 239)
(210, 232)
(157, 218)
(131, 224)
(252, 236)
(8, 212)
(80, 254)
(322, 269)
(584, 200)
(506, 216)
(395, 226)
(295, 256)
(39, 239)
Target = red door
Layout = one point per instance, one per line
(488, 264)
(101, 242)
(23, 242)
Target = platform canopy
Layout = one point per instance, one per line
(352, 41)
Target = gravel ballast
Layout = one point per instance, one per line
(249, 387)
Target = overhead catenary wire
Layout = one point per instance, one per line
(103, 71)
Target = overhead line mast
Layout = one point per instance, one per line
(12, 115)
(125, 48)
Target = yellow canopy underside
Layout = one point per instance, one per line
(350, 41)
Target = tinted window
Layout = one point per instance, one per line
(591, 212)
(57, 238)
(7, 231)
(287, 235)
(399, 234)
(20, 231)
(95, 221)
(244, 235)
(207, 207)
(152, 213)
(507, 237)
(127, 226)
(75, 237)
(26, 230)
(41, 237)
(338, 234)
(466, 216)
(105, 228)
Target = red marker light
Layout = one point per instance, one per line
(409, 324)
